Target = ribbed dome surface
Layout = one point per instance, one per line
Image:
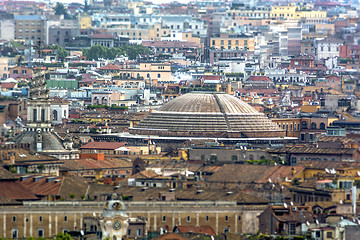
(207, 115)
(207, 103)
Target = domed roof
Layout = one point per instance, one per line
(207, 115)
(208, 103)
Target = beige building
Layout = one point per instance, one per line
(46, 219)
(157, 72)
(231, 41)
(5, 64)
(30, 28)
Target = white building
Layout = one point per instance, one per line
(327, 48)
(59, 109)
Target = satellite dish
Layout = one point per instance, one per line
(285, 205)
(326, 170)
(307, 223)
(269, 180)
(317, 222)
(82, 232)
(94, 214)
(291, 203)
(341, 202)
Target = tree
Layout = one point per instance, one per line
(63, 236)
(62, 53)
(72, 195)
(60, 10)
(97, 51)
(86, 6)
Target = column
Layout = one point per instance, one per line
(50, 225)
(31, 230)
(155, 221)
(217, 223)
(4, 225)
(24, 225)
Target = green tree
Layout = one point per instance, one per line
(63, 236)
(95, 52)
(86, 6)
(62, 53)
(72, 195)
(60, 10)
(41, 168)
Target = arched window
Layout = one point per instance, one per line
(55, 115)
(313, 125)
(322, 126)
(304, 125)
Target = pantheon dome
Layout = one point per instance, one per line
(200, 114)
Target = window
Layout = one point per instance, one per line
(138, 232)
(207, 218)
(304, 125)
(239, 218)
(322, 126)
(159, 75)
(164, 218)
(329, 235)
(40, 219)
(313, 125)
(302, 137)
(226, 218)
(311, 137)
(188, 219)
(14, 218)
(14, 233)
(65, 218)
(292, 228)
(40, 232)
(234, 158)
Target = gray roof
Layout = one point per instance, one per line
(28, 17)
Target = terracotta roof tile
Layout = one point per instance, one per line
(103, 145)
(205, 229)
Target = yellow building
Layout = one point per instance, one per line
(85, 21)
(295, 12)
(310, 108)
(234, 42)
(283, 12)
(154, 33)
(157, 72)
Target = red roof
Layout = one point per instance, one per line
(211, 77)
(206, 229)
(110, 67)
(42, 186)
(15, 191)
(103, 145)
(103, 36)
(7, 85)
(259, 78)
